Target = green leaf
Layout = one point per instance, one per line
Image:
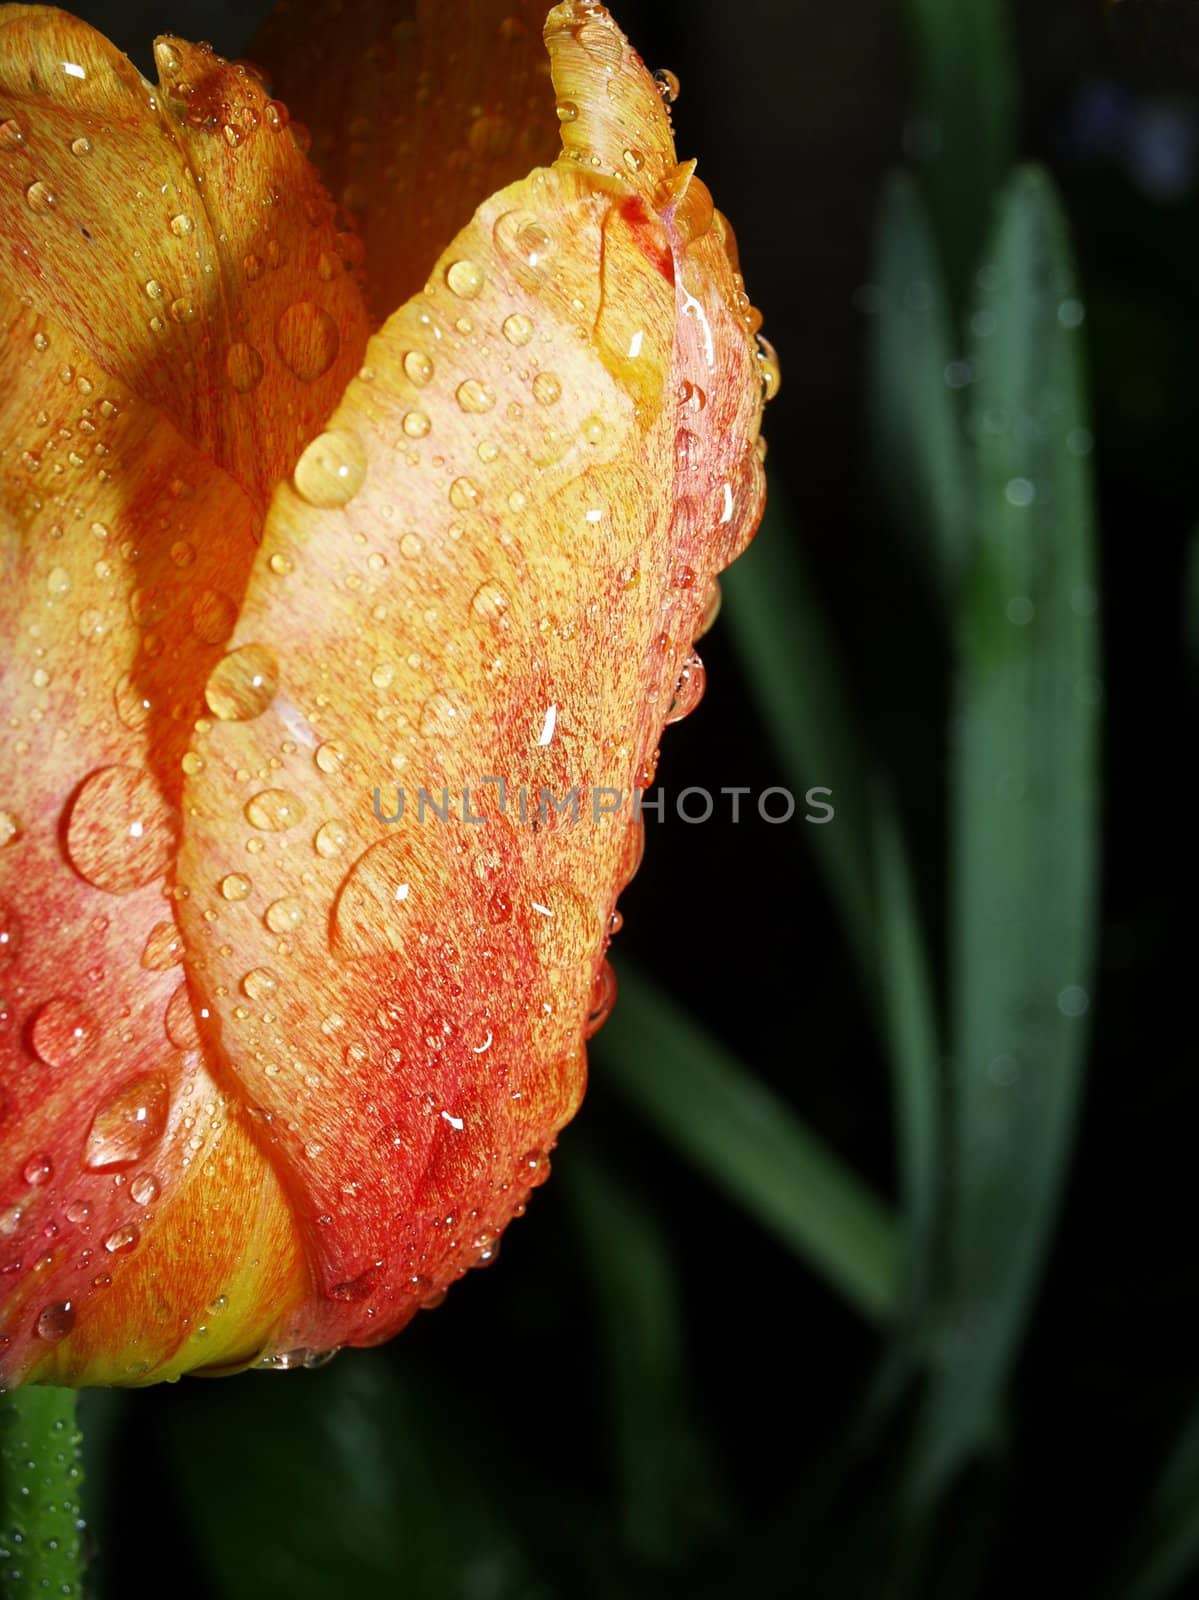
(1166, 1551)
(963, 127)
(1025, 846)
(744, 1139)
(671, 1502)
(347, 1481)
(794, 669)
(914, 1052)
(40, 1475)
(917, 426)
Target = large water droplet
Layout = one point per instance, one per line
(243, 684)
(306, 338)
(120, 832)
(690, 689)
(164, 948)
(331, 470)
(62, 1030)
(465, 279)
(54, 1322)
(273, 810)
(374, 905)
(128, 1124)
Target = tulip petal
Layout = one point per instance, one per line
(179, 235)
(418, 112)
(134, 462)
(493, 565)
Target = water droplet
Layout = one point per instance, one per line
(81, 146)
(121, 1239)
(235, 886)
(274, 810)
(38, 1170)
(179, 1020)
(244, 367)
(128, 1124)
(213, 616)
(331, 470)
(415, 424)
(418, 366)
(768, 369)
(11, 136)
(285, 915)
(603, 998)
(601, 42)
(276, 115)
(533, 1169)
(517, 328)
(329, 757)
(524, 239)
(1019, 492)
(463, 494)
(331, 839)
(40, 196)
(668, 85)
(164, 948)
(465, 278)
(633, 160)
(475, 396)
(144, 1189)
(374, 904)
(411, 546)
(243, 684)
(120, 833)
(62, 1030)
(259, 983)
(54, 1322)
(567, 111)
(441, 717)
(689, 691)
(490, 602)
(306, 338)
(547, 388)
(59, 581)
(181, 225)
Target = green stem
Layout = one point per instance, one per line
(41, 1543)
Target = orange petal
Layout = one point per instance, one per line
(418, 112)
(492, 565)
(179, 235)
(126, 549)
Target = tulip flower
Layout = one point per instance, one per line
(314, 497)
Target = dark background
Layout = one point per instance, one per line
(797, 110)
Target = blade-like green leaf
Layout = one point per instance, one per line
(914, 390)
(1025, 849)
(348, 1481)
(914, 1052)
(40, 1477)
(963, 126)
(793, 667)
(743, 1138)
(1166, 1551)
(671, 1501)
